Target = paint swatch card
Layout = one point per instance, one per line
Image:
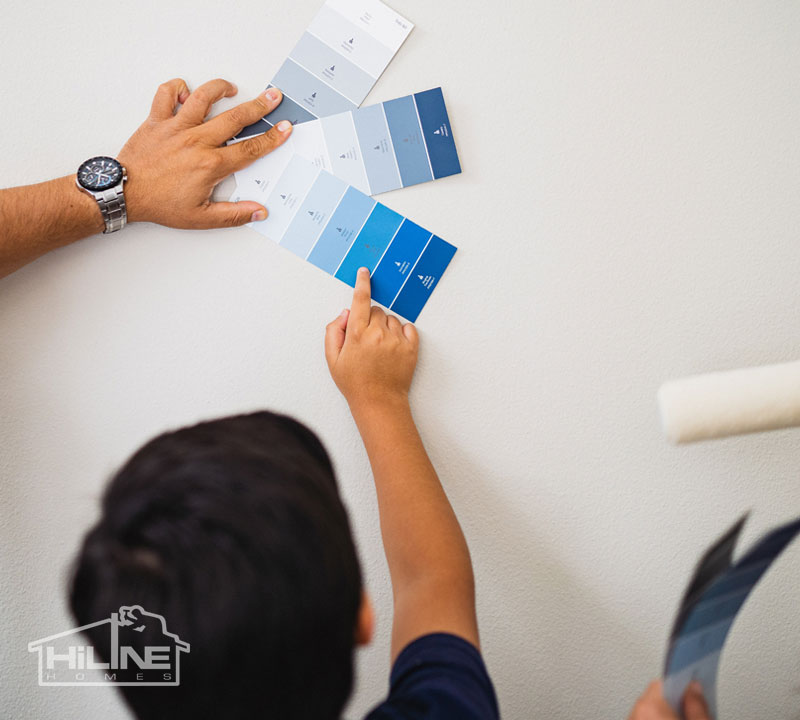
(336, 62)
(716, 593)
(377, 148)
(336, 227)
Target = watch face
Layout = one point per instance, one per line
(99, 173)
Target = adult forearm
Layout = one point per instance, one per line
(174, 161)
(35, 219)
(422, 538)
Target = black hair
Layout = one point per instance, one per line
(234, 531)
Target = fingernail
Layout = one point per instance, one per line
(363, 271)
(284, 126)
(258, 215)
(344, 312)
(272, 94)
(695, 687)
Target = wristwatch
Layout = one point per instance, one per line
(102, 178)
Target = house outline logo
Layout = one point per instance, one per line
(123, 660)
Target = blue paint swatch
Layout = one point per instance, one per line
(257, 128)
(343, 149)
(291, 188)
(698, 644)
(715, 594)
(370, 244)
(310, 92)
(377, 150)
(287, 110)
(424, 277)
(397, 261)
(381, 147)
(341, 230)
(437, 131)
(313, 214)
(324, 62)
(336, 61)
(409, 142)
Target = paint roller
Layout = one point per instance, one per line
(731, 403)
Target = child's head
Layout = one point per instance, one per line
(234, 531)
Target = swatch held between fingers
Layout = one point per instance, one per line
(230, 123)
(241, 154)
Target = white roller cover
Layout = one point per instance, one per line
(731, 403)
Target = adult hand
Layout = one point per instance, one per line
(652, 705)
(175, 159)
(371, 355)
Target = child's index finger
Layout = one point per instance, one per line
(362, 300)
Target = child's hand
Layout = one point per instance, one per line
(371, 355)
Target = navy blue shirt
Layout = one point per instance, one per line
(438, 677)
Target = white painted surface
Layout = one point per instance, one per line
(627, 213)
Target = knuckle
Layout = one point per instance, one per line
(263, 145)
(262, 103)
(274, 137)
(210, 162)
(190, 140)
(202, 95)
(228, 219)
(238, 116)
(252, 149)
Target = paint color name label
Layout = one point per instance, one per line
(339, 229)
(336, 62)
(375, 149)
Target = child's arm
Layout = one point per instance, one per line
(372, 358)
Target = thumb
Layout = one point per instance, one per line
(233, 214)
(334, 336)
(694, 705)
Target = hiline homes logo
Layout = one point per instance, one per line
(68, 658)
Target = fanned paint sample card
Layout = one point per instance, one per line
(337, 61)
(377, 148)
(336, 227)
(709, 607)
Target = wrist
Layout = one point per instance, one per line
(384, 407)
(83, 210)
(102, 178)
(133, 199)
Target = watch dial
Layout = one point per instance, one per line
(99, 173)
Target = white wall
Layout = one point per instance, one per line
(628, 212)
